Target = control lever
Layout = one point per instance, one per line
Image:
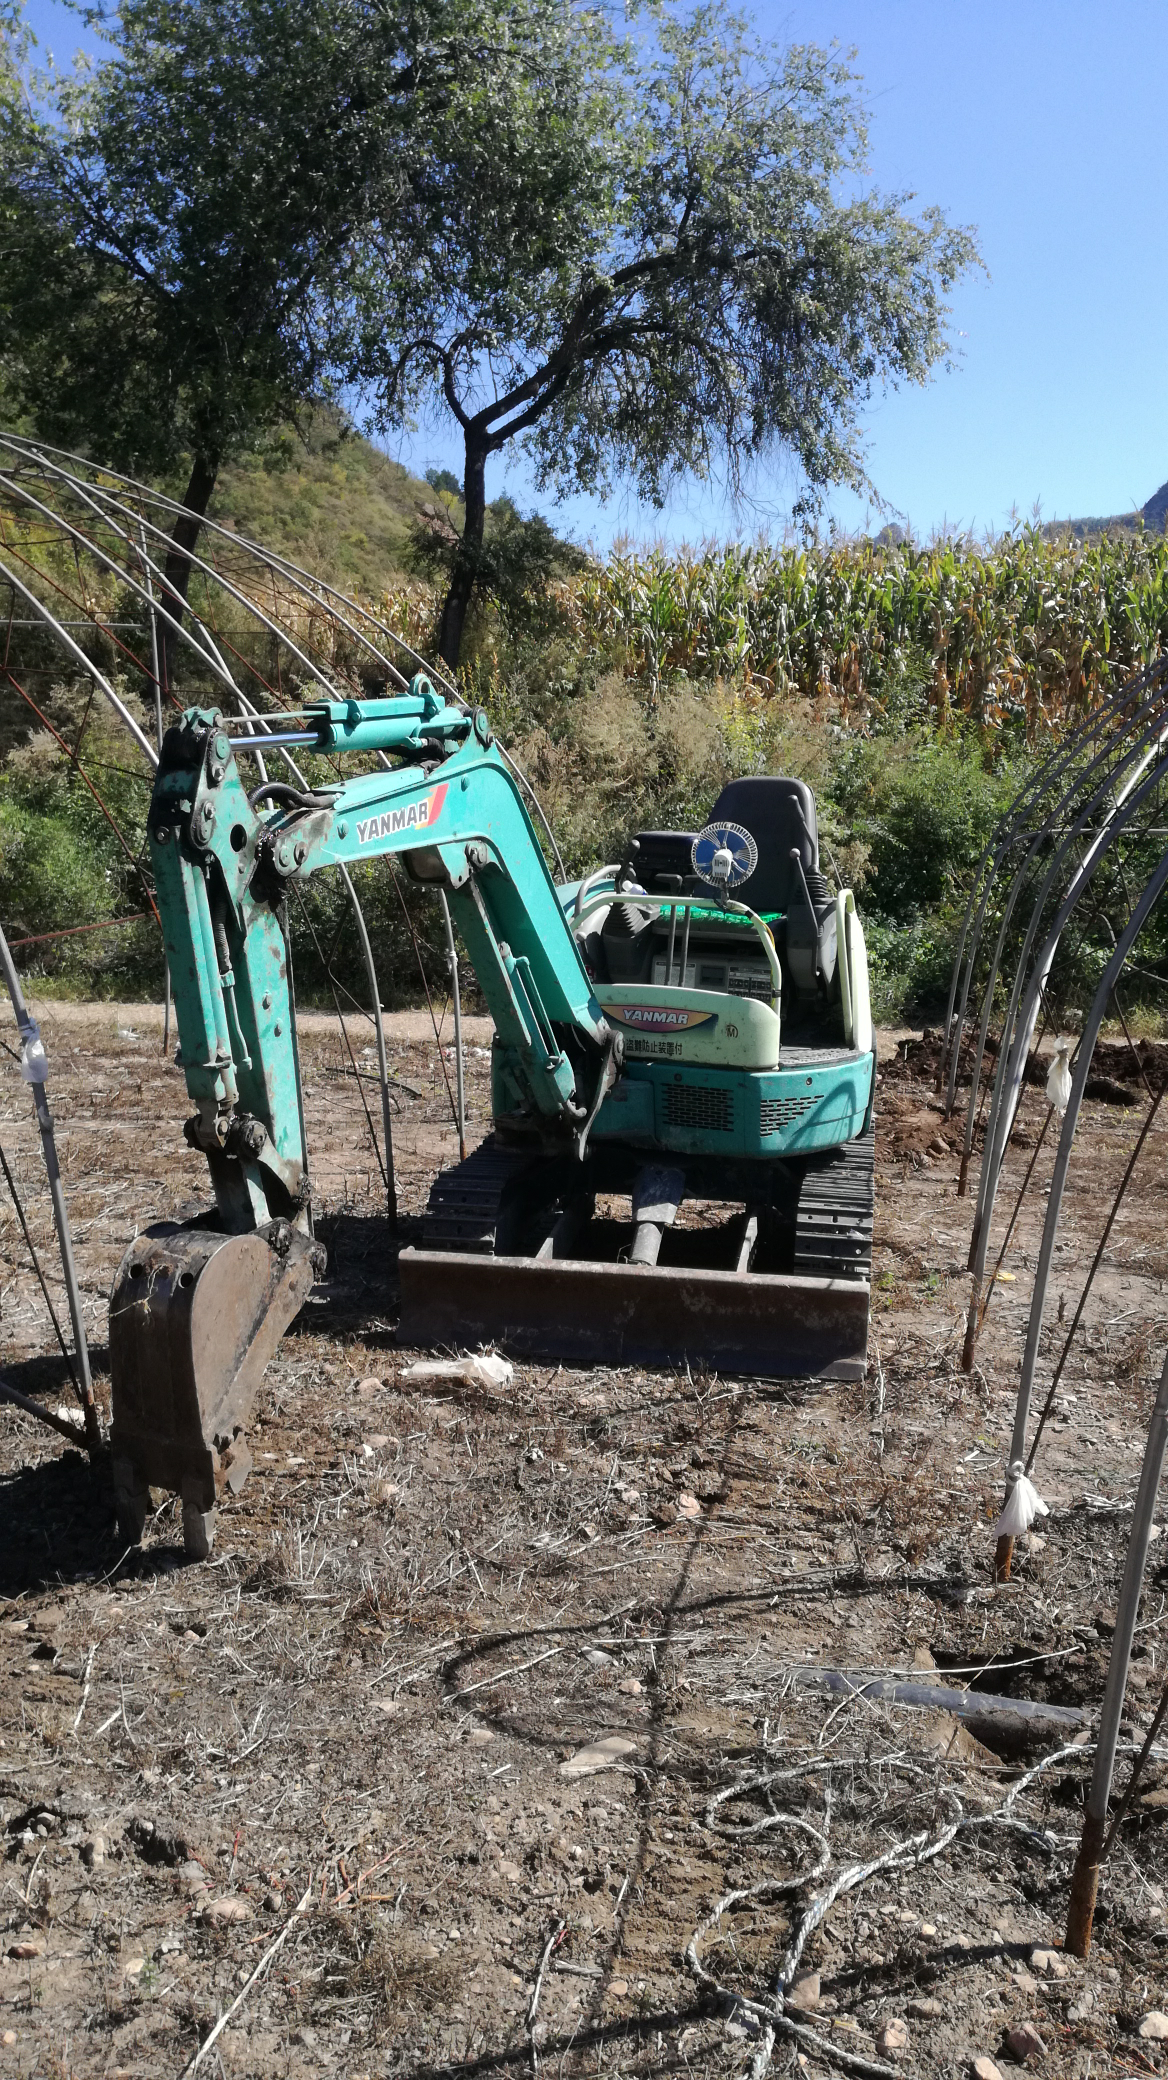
(797, 856)
(625, 870)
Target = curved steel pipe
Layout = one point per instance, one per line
(99, 508)
(456, 999)
(1120, 724)
(1109, 716)
(955, 1013)
(128, 528)
(37, 451)
(1015, 1068)
(379, 1032)
(33, 1054)
(987, 1002)
(1136, 921)
(158, 733)
(1139, 755)
(370, 975)
(1022, 1016)
(207, 656)
(1093, 1846)
(1017, 883)
(999, 842)
(86, 663)
(316, 591)
(1005, 838)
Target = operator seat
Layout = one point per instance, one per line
(779, 813)
(660, 863)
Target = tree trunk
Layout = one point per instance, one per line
(177, 569)
(468, 557)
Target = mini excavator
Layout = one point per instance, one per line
(680, 1171)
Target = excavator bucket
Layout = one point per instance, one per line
(769, 1326)
(195, 1317)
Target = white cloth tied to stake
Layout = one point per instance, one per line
(1023, 1504)
(1058, 1082)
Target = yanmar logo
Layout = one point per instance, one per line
(413, 816)
(660, 1018)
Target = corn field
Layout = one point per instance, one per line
(1025, 630)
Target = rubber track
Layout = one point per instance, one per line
(833, 1224)
(833, 1228)
(463, 1209)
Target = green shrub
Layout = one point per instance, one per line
(61, 863)
(923, 807)
(909, 967)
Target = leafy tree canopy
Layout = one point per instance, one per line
(186, 225)
(645, 253)
(178, 226)
(651, 255)
(178, 222)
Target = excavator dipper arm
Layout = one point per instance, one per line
(185, 1369)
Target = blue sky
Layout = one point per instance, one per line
(1040, 124)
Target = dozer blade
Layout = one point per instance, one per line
(773, 1327)
(194, 1319)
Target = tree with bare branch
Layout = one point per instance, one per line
(647, 255)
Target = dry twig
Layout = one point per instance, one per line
(85, 1688)
(198, 2056)
(553, 1940)
(917, 1849)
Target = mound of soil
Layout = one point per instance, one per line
(1121, 1074)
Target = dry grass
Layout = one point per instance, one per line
(421, 1606)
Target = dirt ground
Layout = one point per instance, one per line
(358, 1728)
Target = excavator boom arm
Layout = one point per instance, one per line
(224, 862)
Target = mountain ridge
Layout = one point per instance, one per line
(1153, 515)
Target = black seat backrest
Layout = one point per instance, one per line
(663, 855)
(779, 813)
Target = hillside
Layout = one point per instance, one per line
(907, 683)
(336, 505)
(1153, 514)
(331, 502)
